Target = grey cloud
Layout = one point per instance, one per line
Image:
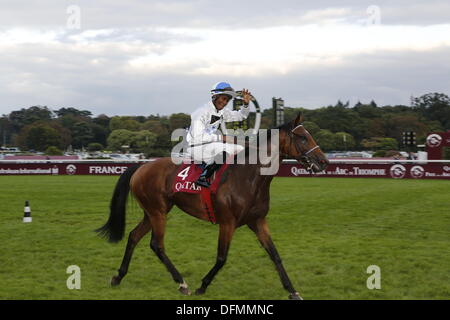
(388, 78)
(125, 35)
(233, 14)
(65, 75)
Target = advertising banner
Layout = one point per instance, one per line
(343, 170)
(373, 170)
(435, 144)
(112, 168)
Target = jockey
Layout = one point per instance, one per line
(206, 144)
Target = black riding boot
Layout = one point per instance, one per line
(206, 174)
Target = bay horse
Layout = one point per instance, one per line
(241, 199)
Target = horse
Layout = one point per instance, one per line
(241, 199)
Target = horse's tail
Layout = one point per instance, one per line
(114, 228)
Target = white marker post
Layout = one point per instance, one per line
(27, 212)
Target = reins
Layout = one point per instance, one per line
(291, 135)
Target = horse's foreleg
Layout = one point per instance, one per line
(225, 235)
(134, 237)
(261, 230)
(157, 245)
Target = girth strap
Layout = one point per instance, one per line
(206, 199)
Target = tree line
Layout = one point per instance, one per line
(336, 127)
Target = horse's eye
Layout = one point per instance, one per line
(303, 139)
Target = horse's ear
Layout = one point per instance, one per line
(299, 118)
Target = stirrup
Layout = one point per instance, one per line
(202, 182)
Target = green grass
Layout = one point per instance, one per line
(327, 231)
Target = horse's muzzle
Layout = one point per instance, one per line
(315, 162)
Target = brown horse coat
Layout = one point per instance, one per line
(242, 199)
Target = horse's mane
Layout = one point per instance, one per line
(284, 127)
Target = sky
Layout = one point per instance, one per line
(162, 57)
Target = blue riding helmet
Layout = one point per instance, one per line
(223, 88)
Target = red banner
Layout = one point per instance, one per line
(111, 168)
(435, 144)
(360, 170)
(373, 170)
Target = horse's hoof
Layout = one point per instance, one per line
(183, 288)
(199, 291)
(185, 291)
(115, 281)
(295, 296)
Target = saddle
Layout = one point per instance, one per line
(185, 179)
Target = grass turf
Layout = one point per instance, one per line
(327, 231)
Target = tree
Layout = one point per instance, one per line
(68, 121)
(312, 127)
(73, 112)
(102, 120)
(65, 134)
(27, 116)
(53, 151)
(266, 123)
(380, 143)
(179, 120)
(339, 118)
(370, 111)
(38, 137)
(144, 140)
(94, 146)
(376, 128)
(397, 124)
(6, 130)
(83, 130)
(119, 138)
(100, 128)
(99, 133)
(434, 106)
(325, 139)
(344, 141)
(82, 134)
(140, 141)
(398, 109)
(155, 126)
(289, 114)
(124, 123)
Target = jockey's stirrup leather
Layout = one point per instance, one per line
(206, 174)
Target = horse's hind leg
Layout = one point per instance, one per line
(225, 235)
(158, 221)
(261, 230)
(133, 239)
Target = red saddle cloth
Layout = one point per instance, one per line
(188, 173)
(185, 179)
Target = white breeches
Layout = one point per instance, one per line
(209, 151)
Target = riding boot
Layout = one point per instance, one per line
(206, 174)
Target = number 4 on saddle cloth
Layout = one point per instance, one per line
(185, 179)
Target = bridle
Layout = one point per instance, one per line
(291, 138)
(303, 155)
